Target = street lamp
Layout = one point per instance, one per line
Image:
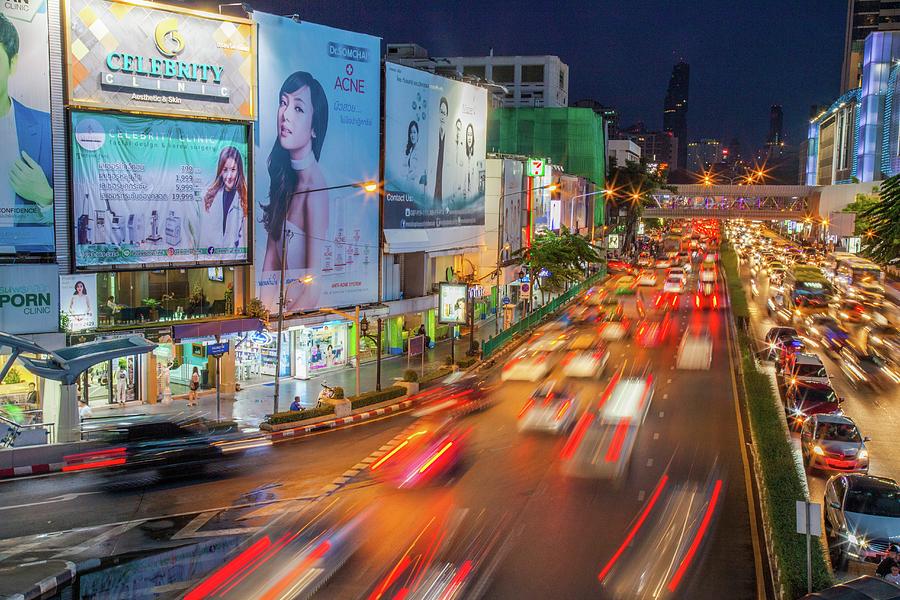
(552, 187)
(368, 186)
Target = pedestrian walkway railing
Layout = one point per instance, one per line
(491, 345)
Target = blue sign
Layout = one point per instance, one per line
(544, 273)
(261, 338)
(217, 349)
(505, 300)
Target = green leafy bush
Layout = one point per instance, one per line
(297, 415)
(410, 375)
(13, 376)
(435, 374)
(739, 306)
(465, 363)
(374, 397)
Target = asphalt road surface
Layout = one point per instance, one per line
(685, 489)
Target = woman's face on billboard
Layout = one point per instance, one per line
(229, 174)
(295, 113)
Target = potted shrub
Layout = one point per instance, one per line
(410, 381)
(153, 304)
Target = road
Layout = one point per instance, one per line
(559, 533)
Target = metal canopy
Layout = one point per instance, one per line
(66, 364)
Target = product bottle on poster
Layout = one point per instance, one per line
(100, 227)
(173, 229)
(356, 242)
(135, 228)
(154, 237)
(366, 255)
(339, 259)
(118, 232)
(327, 266)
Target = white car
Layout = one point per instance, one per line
(585, 363)
(695, 351)
(674, 284)
(552, 408)
(677, 271)
(647, 278)
(613, 331)
(663, 263)
(530, 365)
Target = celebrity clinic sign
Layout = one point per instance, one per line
(134, 56)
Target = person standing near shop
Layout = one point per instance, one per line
(193, 387)
(121, 385)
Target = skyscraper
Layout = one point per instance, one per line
(864, 17)
(676, 107)
(776, 126)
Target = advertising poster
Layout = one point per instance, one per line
(514, 199)
(434, 150)
(26, 161)
(452, 303)
(29, 298)
(150, 192)
(319, 123)
(141, 57)
(78, 300)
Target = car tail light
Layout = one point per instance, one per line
(697, 301)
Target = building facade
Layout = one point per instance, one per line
(675, 110)
(864, 17)
(623, 152)
(703, 153)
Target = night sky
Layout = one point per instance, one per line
(744, 56)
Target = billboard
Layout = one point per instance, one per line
(319, 124)
(29, 298)
(139, 56)
(434, 150)
(78, 301)
(151, 192)
(513, 202)
(26, 160)
(452, 303)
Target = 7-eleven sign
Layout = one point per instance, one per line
(536, 167)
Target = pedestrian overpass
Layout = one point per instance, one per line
(763, 202)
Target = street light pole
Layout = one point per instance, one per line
(368, 186)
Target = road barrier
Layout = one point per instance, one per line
(496, 342)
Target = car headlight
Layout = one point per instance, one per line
(857, 540)
(818, 450)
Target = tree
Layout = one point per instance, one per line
(632, 189)
(560, 257)
(861, 202)
(882, 239)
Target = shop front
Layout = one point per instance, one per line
(320, 348)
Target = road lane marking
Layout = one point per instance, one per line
(669, 380)
(195, 524)
(97, 540)
(62, 498)
(641, 495)
(665, 396)
(662, 414)
(649, 462)
(656, 436)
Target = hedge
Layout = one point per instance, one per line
(436, 374)
(465, 363)
(780, 480)
(374, 397)
(298, 415)
(739, 307)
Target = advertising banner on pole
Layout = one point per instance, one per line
(319, 124)
(452, 303)
(78, 300)
(514, 199)
(29, 298)
(139, 56)
(150, 192)
(434, 150)
(26, 161)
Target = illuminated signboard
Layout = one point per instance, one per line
(137, 56)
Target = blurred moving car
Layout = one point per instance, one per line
(695, 350)
(862, 518)
(647, 278)
(625, 286)
(850, 311)
(458, 394)
(586, 358)
(645, 260)
(679, 271)
(833, 443)
(618, 266)
(826, 331)
(871, 370)
(674, 284)
(600, 445)
(652, 332)
(663, 262)
(290, 558)
(805, 400)
(529, 365)
(552, 408)
(433, 449)
(882, 339)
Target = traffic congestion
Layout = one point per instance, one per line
(829, 335)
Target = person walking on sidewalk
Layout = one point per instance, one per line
(121, 385)
(193, 387)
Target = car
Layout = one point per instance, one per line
(601, 442)
(553, 341)
(625, 286)
(667, 301)
(805, 368)
(552, 408)
(674, 284)
(652, 332)
(610, 310)
(528, 365)
(645, 260)
(663, 262)
(882, 339)
(683, 258)
(804, 400)
(851, 311)
(863, 369)
(458, 394)
(647, 278)
(776, 308)
(618, 266)
(586, 357)
(774, 336)
(826, 331)
(833, 443)
(679, 271)
(695, 350)
(433, 447)
(862, 517)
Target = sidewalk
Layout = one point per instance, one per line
(251, 405)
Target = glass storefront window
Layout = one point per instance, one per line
(321, 347)
(134, 297)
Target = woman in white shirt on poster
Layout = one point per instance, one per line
(225, 203)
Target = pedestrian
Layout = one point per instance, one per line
(84, 411)
(894, 575)
(295, 405)
(121, 385)
(193, 387)
(892, 558)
